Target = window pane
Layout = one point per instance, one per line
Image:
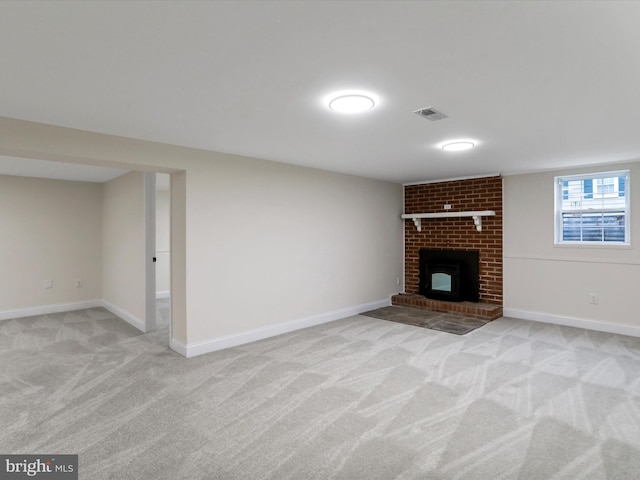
(593, 227)
(590, 234)
(571, 225)
(613, 228)
(614, 234)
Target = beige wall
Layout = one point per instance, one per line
(163, 234)
(254, 243)
(49, 230)
(556, 280)
(178, 221)
(123, 247)
(269, 243)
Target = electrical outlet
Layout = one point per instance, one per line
(79, 283)
(593, 299)
(447, 206)
(48, 284)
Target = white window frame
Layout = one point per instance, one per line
(578, 207)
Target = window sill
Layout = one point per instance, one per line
(607, 246)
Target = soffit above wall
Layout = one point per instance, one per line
(26, 167)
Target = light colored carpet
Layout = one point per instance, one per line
(358, 398)
(163, 313)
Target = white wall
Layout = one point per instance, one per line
(123, 249)
(49, 230)
(254, 243)
(271, 243)
(163, 233)
(551, 282)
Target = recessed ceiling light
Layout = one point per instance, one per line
(351, 103)
(458, 146)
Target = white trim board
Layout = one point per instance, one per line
(454, 179)
(149, 207)
(47, 309)
(228, 341)
(630, 330)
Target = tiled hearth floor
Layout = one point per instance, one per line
(444, 322)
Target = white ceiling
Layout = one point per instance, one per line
(538, 84)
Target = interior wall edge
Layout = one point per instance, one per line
(131, 319)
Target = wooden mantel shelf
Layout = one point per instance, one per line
(476, 215)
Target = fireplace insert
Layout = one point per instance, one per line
(451, 275)
(443, 281)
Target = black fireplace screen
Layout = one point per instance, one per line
(450, 275)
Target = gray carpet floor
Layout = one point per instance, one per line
(163, 313)
(358, 398)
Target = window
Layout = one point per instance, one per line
(593, 209)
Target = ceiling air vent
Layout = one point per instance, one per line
(430, 113)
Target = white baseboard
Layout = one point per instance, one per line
(126, 316)
(47, 309)
(596, 325)
(215, 344)
(163, 294)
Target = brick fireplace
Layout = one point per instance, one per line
(458, 233)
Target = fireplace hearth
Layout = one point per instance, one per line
(450, 275)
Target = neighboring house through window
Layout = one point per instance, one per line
(593, 208)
